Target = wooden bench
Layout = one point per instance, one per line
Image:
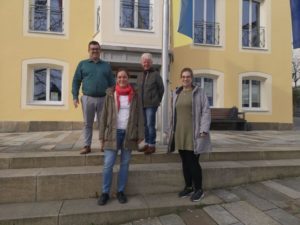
(227, 119)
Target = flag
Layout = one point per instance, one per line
(295, 9)
(186, 18)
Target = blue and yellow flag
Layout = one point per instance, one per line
(186, 18)
(295, 9)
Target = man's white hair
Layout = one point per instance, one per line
(146, 56)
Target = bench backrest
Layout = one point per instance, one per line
(221, 113)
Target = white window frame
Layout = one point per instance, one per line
(250, 94)
(265, 21)
(97, 16)
(47, 101)
(28, 67)
(265, 92)
(135, 28)
(46, 34)
(202, 77)
(219, 18)
(218, 84)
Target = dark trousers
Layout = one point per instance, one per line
(191, 168)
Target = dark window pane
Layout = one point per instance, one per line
(246, 22)
(39, 89)
(199, 10)
(245, 93)
(197, 80)
(255, 36)
(255, 93)
(55, 85)
(199, 21)
(56, 16)
(210, 22)
(144, 14)
(210, 11)
(127, 14)
(209, 90)
(40, 15)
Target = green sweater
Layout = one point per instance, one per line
(95, 78)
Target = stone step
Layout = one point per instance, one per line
(70, 158)
(46, 184)
(87, 212)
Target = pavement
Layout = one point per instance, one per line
(272, 202)
(257, 203)
(73, 140)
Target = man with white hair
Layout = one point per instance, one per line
(151, 90)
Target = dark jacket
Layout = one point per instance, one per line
(151, 88)
(108, 122)
(201, 120)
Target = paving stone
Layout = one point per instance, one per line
(227, 196)
(171, 219)
(30, 213)
(253, 199)
(196, 217)
(270, 195)
(293, 183)
(282, 189)
(220, 215)
(148, 221)
(283, 217)
(248, 214)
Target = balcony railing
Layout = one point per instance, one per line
(254, 38)
(136, 15)
(44, 18)
(206, 33)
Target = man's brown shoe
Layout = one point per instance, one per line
(150, 150)
(85, 150)
(144, 149)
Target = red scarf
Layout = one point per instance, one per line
(128, 90)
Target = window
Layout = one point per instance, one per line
(253, 35)
(206, 30)
(208, 85)
(98, 19)
(255, 92)
(47, 85)
(46, 16)
(44, 84)
(136, 14)
(251, 94)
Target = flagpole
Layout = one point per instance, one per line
(165, 69)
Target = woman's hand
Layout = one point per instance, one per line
(203, 134)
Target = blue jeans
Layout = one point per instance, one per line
(149, 124)
(110, 156)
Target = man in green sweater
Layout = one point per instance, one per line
(96, 76)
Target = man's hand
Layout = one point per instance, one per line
(101, 146)
(76, 103)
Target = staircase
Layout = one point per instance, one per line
(60, 188)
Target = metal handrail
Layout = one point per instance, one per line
(254, 37)
(207, 33)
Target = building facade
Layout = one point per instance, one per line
(240, 53)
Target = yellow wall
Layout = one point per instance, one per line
(15, 47)
(232, 61)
